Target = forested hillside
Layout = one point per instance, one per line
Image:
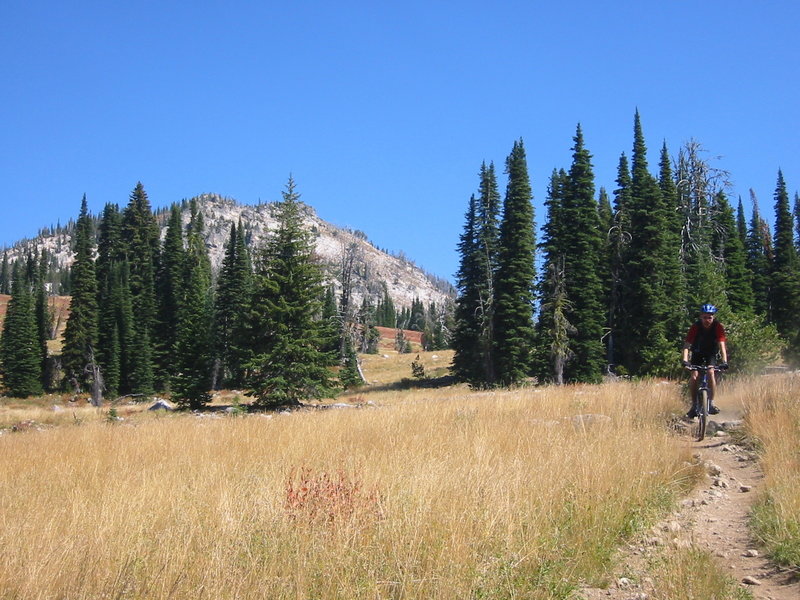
(621, 273)
(209, 294)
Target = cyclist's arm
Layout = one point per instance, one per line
(685, 355)
(723, 351)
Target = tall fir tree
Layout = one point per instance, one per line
(115, 336)
(385, 313)
(288, 364)
(487, 244)
(467, 359)
(192, 379)
(20, 357)
(605, 213)
(741, 223)
(582, 245)
(170, 282)
(647, 350)
(797, 221)
(759, 259)
(369, 337)
(473, 338)
(5, 275)
(233, 294)
(617, 243)
(673, 269)
(739, 287)
(81, 332)
(43, 317)
(514, 279)
(552, 349)
(140, 234)
(785, 276)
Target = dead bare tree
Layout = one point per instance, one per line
(96, 377)
(558, 306)
(352, 256)
(58, 316)
(698, 183)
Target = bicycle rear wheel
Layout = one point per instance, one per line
(702, 414)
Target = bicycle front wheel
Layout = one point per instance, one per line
(702, 414)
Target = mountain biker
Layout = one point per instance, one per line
(706, 339)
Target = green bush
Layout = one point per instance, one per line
(752, 345)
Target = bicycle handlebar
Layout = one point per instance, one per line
(707, 367)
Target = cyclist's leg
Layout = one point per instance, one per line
(692, 394)
(712, 387)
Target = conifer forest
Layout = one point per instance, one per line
(605, 283)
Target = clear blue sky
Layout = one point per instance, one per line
(382, 112)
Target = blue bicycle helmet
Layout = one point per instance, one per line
(708, 308)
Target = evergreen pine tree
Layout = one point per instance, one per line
(618, 242)
(416, 318)
(5, 275)
(487, 243)
(797, 221)
(368, 335)
(759, 259)
(114, 334)
(785, 276)
(349, 375)
(648, 349)
(125, 328)
(605, 213)
(467, 359)
(739, 287)
(81, 333)
(288, 364)
(192, 379)
(741, 223)
(582, 244)
(234, 290)
(140, 234)
(673, 274)
(551, 284)
(385, 313)
(20, 356)
(170, 288)
(434, 335)
(43, 317)
(514, 280)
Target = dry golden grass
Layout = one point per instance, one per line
(772, 419)
(694, 574)
(442, 493)
(389, 367)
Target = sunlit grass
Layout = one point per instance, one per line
(773, 423)
(427, 493)
(693, 574)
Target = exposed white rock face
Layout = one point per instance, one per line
(372, 268)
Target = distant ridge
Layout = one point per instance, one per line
(373, 269)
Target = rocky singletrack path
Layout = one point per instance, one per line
(713, 518)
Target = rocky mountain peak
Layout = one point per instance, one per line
(372, 268)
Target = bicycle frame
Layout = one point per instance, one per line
(702, 398)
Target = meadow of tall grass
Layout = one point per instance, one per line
(434, 493)
(772, 420)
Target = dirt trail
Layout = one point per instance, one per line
(713, 518)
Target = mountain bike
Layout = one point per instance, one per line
(702, 398)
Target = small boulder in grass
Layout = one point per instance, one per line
(161, 404)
